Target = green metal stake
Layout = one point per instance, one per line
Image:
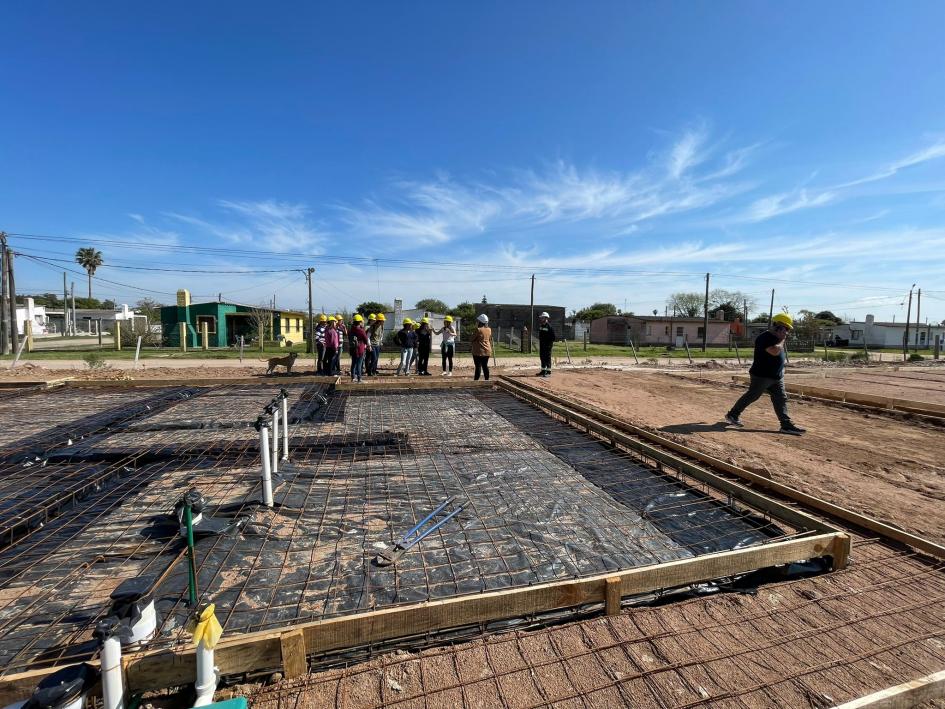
(192, 569)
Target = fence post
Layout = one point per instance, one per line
(117, 334)
(28, 331)
(183, 336)
(204, 335)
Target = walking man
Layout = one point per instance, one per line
(767, 375)
(546, 339)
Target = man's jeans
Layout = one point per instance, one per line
(406, 359)
(761, 385)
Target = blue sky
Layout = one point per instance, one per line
(618, 150)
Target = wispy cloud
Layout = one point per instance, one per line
(931, 152)
(785, 203)
(609, 202)
(269, 224)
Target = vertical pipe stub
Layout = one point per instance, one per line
(64, 689)
(133, 602)
(284, 395)
(109, 633)
(260, 426)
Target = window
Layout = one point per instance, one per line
(667, 330)
(856, 334)
(922, 337)
(649, 330)
(211, 323)
(700, 333)
(679, 331)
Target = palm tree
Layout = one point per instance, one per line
(89, 259)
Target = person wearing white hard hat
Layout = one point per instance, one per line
(546, 339)
(482, 346)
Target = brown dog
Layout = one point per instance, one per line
(286, 362)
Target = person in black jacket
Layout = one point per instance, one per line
(546, 338)
(424, 345)
(767, 375)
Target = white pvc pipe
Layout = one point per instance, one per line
(275, 440)
(112, 691)
(207, 676)
(266, 470)
(285, 428)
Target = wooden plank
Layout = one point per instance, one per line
(862, 521)
(612, 596)
(418, 383)
(902, 696)
(294, 663)
(221, 381)
(263, 651)
(750, 497)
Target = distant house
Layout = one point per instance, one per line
(655, 330)
(878, 334)
(36, 314)
(506, 316)
(88, 319)
(226, 322)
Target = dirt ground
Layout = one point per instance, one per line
(887, 468)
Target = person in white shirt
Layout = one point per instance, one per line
(448, 345)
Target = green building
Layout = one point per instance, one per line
(226, 322)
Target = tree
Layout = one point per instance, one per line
(372, 306)
(260, 319)
(597, 310)
(432, 305)
(808, 325)
(467, 314)
(686, 304)
(736, 298)
(827, 315)
(89, 259)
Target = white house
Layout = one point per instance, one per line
(394, 321)
(34, 313)
(890, 334)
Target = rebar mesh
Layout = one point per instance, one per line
(544, 502)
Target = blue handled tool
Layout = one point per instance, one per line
(415, 535)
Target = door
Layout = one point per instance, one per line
(680, 338)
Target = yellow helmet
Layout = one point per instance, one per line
(358, 317)
(408, 321)
(784, 319)
(448, 318)
(371, 316)
(380, 316)
(322, 318)
(330, 318)
(339, 318)
(425, 320)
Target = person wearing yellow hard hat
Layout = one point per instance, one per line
(320, 330)
(376, 335)
(767, 375)
(342, 338)
(447, 345)
(424, 346)
(332, 345)
(369, 321)
(357, 347)
(406, 339)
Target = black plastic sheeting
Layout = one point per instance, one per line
(544, 502)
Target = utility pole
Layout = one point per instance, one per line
(311, 314)
(65, 306)
(771, 308)
(72, 321)
(918, 308)
(11, 290)
(705, 315)
(905, 340)
(4, 324)
(531, 324)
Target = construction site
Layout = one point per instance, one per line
(585, 540)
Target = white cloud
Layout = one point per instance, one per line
(931, 152)
(785, 203)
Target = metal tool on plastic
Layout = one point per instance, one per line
(415, 535)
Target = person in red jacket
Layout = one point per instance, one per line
(358, 343)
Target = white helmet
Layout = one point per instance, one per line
(484, 319)
(544, 314)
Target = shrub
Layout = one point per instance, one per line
(93, 360)
(835, 357)
(916, 357)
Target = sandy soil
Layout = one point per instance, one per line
(926, 387)
(890, 469)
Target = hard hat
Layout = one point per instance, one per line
(448, 318)
(380, 316)
(330, 318)
(339, 318)
(408, 321)
(358, 317)
(484, 319)
(784, 319)
(322, 318)
(544, 315)
(425, 320)
(371, 316)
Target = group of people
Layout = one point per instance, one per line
(415, 340)
(364, 340)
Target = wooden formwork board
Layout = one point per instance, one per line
(786, 491)
(880, 402)
(410, 383)
(902, 696)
